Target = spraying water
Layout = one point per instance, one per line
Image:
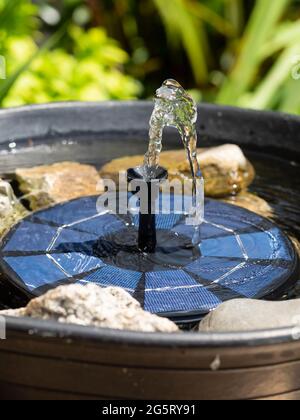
(174, 107)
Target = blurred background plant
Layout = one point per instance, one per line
(235, 52)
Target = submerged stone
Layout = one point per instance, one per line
(225, 168)
(250, 315)
(44, 186)
(252, 203)
(11, 211)
(92, 305)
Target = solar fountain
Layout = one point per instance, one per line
(179, 255)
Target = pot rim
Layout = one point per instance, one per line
(216, 124)
(138, 102)
(56, 330)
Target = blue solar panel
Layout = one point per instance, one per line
(210, 268)
(163, 279)
(73, 211)
(114, 276)
(167, 221)
(103, 225)
(31, 236)
(249, 279)
(174, 301)
(227, 246)
(75, 263)
(70, 236)
(258, 246)
(35, 271)
(241, 254)
(163, 221)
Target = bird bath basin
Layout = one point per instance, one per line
(130, 363)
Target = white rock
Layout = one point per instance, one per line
(228, 157)
(91, 305)
(251, 315)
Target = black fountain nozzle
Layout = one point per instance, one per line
(147, 220)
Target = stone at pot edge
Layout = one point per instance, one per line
(250, 315)
(92, 305)
(50, 184)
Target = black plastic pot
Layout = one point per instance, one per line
(49, 360)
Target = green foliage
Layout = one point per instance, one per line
(17, 18)
(237, 52)
(255, 68)
(17, 48)
(90, 73)
(91, 69)
(259, 45)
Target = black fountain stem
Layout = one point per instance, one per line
(147, 219)
(147, 224)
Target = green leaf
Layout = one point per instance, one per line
(265, 16)
(234, 12)
(286, 34)
(281, 72)
(9, 82)
(206, 14)
(290, 100)
(181, 24)
(6, 10)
